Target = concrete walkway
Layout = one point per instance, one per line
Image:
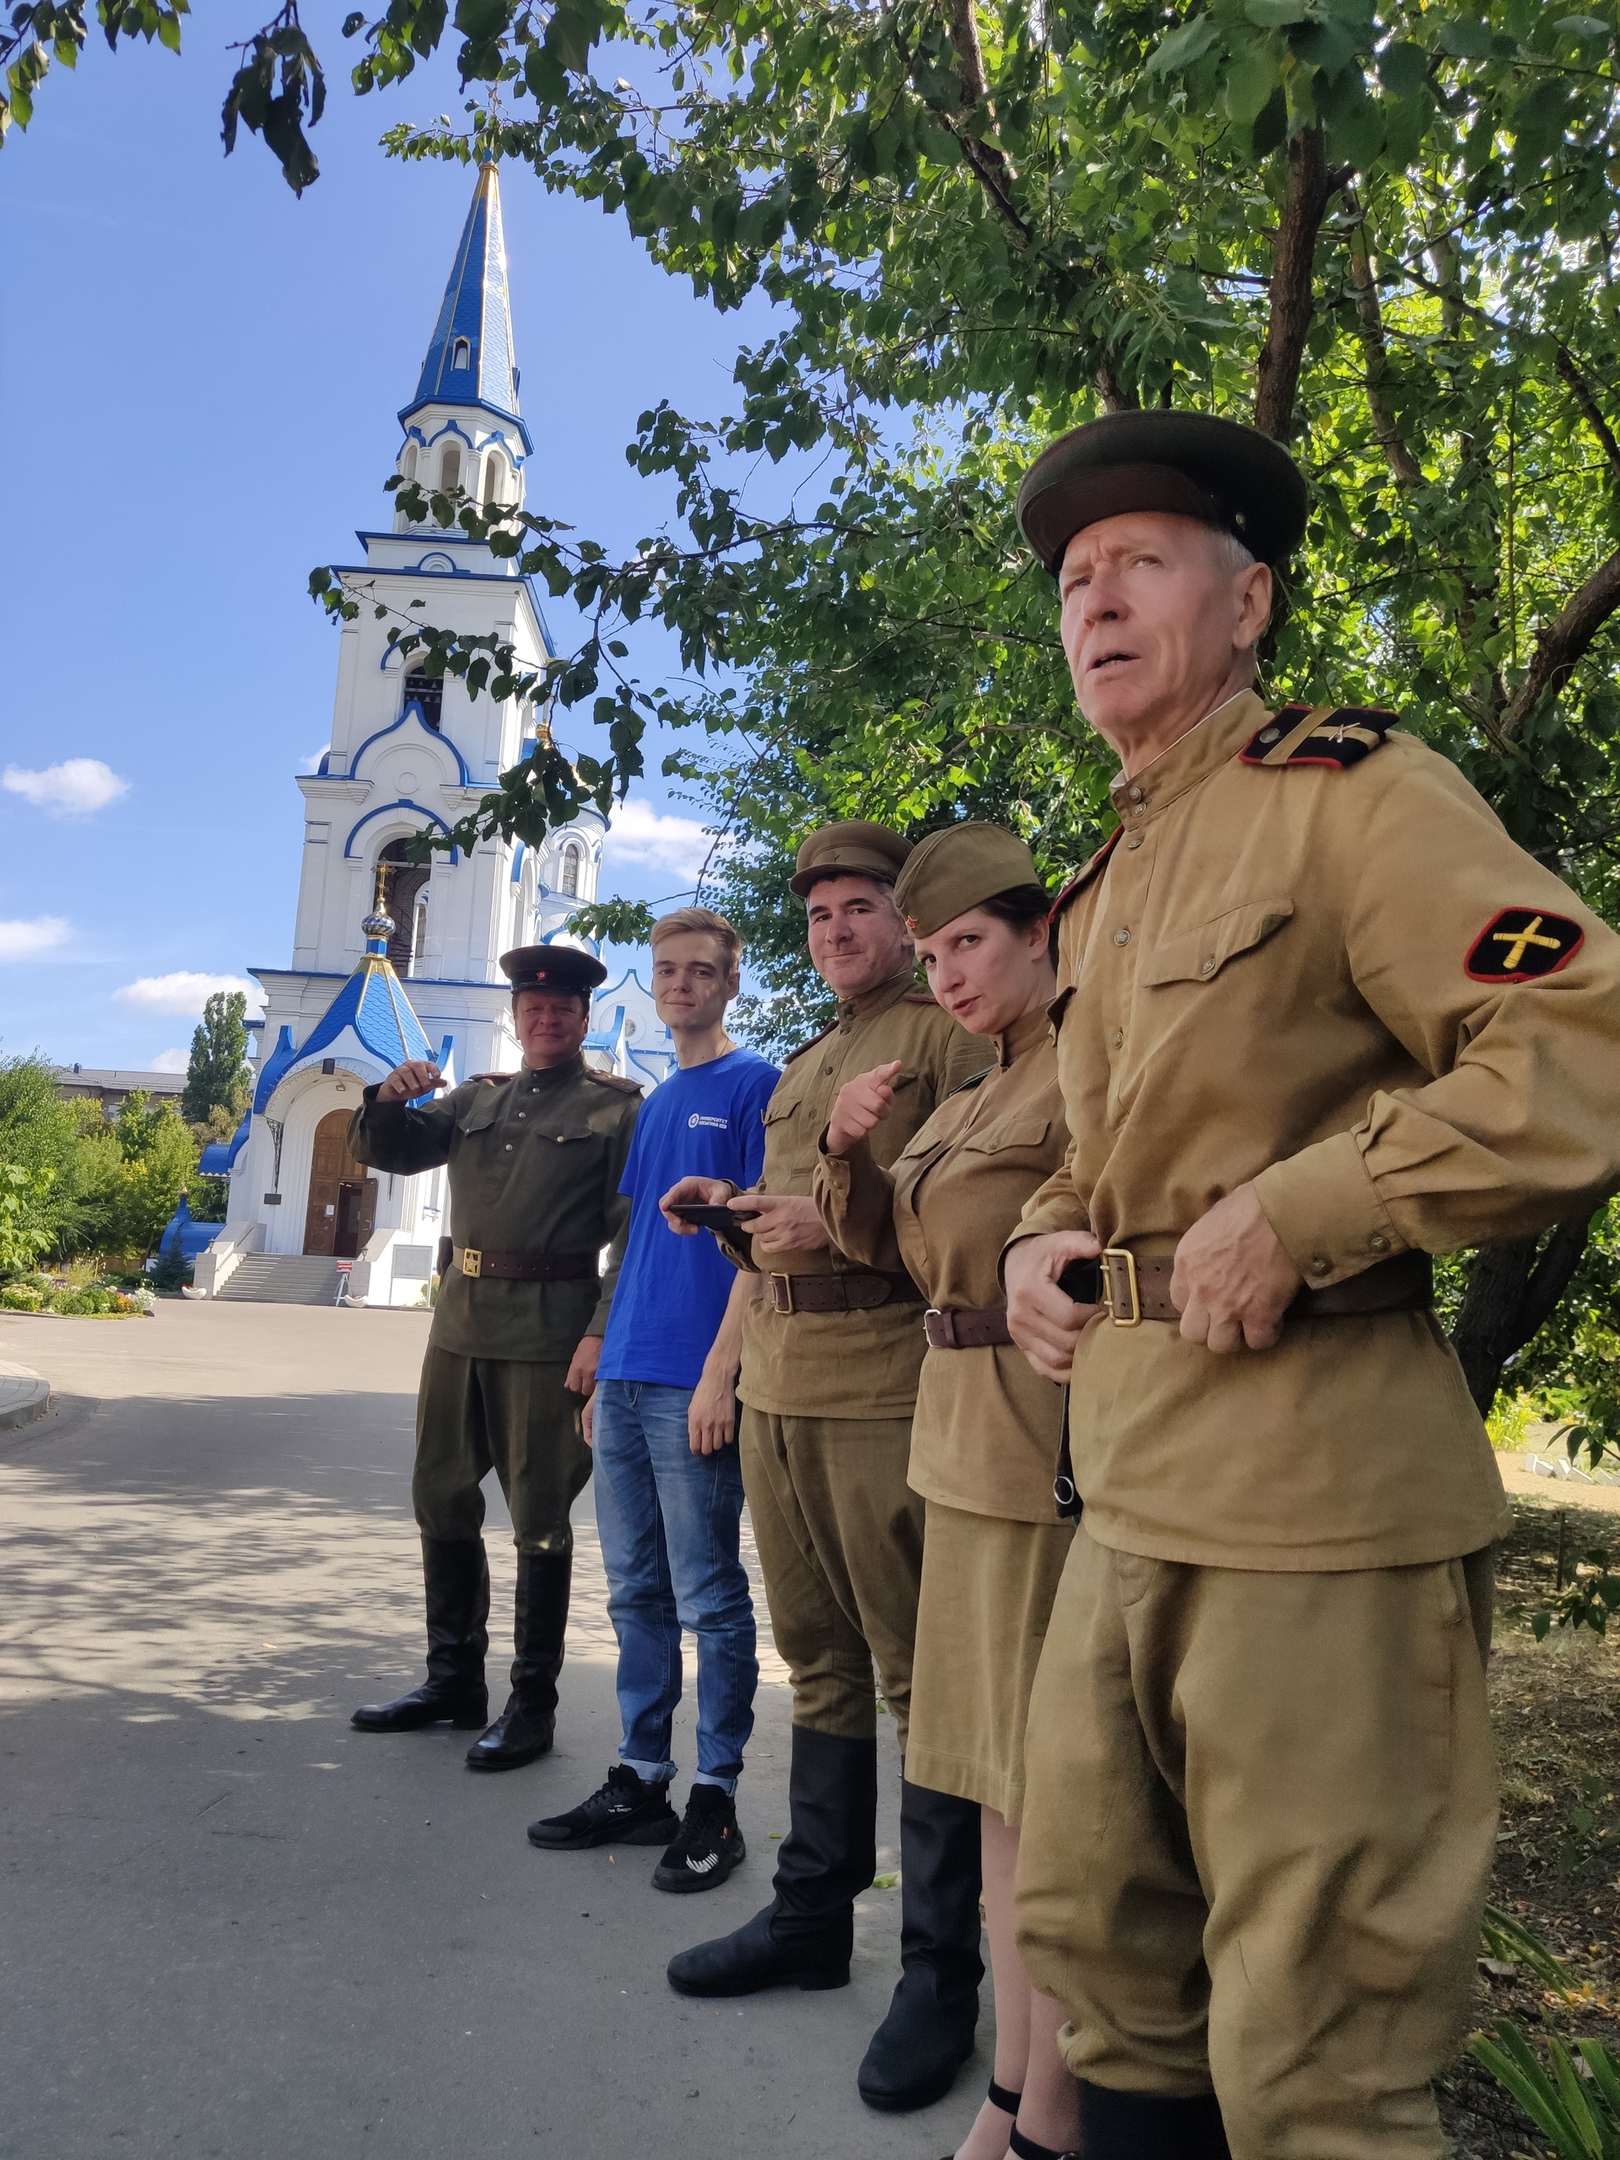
(232, 1925)
(24, 1395)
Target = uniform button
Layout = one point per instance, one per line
(1122, 937)
(523, 1113)
(1320, 1264)
(1137, 794)
(1378, 1242)
(1119, 1038)
(1208, 967)
(826, 1069)
(1133, 839)
(508, 1147)
(1271, 734)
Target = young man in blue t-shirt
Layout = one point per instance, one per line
(662, 1423)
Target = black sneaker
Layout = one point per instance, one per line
(621, 1812)
(709, 1846)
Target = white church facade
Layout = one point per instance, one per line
(391, 958)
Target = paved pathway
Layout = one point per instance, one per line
(233, 1926)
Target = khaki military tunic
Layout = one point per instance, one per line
(1261, 1801)
(984, 1439)
(1266, 976)
(535, 1160)
(826, 1424)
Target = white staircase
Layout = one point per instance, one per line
(282, 1279)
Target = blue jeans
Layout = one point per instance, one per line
(668, 1524)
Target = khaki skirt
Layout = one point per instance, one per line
(987, 1591)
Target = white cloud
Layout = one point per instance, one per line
(657, 839)
(175, 1061)
(72, 789)
(22, 940)
(186, 992)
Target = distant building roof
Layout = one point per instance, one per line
(112, 1083)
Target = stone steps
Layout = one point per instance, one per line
(282, 1279)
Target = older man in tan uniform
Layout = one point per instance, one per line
(830, 1360)
(1319, 1018)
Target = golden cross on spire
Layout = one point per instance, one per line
(379, 898)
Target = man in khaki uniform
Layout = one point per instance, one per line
(830, 1359)
(1319, 1019)
(535, 1160)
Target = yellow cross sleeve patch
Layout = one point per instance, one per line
(1522, 945)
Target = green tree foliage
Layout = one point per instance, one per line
(218, 1076)
(92, 1184)
(24, 1221)
(156, 1158)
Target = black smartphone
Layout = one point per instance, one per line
(723, 1219)
(1082, 1281)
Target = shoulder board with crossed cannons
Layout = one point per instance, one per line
(1335, 735)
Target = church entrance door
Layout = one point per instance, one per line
(342, 1199)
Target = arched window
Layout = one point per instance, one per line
(405, 894)
(419, 932)
(460, 354)
(570, 872)
(428, 692)
(449, 467)
(408, 462)
(494, 478)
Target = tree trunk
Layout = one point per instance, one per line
(1512, 1289)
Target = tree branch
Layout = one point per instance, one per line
(1370, 319)
(1563, 644)
(1569, 368)
(1310, 189)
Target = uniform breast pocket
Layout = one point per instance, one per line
(1199, 954)
(1023, 1136)
(481, 1112)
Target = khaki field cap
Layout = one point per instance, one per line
(852, 849)
(1186, 463)
(552, 967)
(958, 869)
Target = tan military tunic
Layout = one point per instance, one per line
(535, 1161)
(985, 1433)
(1281, 970)
(849, 1364)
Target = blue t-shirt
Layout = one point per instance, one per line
(706, 1122)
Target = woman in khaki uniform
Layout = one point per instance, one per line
(985, 1437)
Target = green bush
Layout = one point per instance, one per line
(19, 1297)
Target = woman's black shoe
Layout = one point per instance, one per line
(624, 1811)
(707, 1846)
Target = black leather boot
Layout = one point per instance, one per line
(1147, 2126)
(928, 2033)
(540, 1619)
(455, 1574)
(803, 1938)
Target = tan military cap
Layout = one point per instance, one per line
(850, 849)
(958, 869)
(1187, 463)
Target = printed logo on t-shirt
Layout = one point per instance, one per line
(697, 1118)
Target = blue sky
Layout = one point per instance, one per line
(201, 375)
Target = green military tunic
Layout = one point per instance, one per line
(535, 1160)
(826, 1425)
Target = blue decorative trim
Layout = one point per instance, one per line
(437, 735)
(403, 803)
(467, 404)
(518, 854)
(273, 1068)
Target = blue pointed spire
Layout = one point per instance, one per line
(469, 358)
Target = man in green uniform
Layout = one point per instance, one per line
(830, 1359)
(535, 1159)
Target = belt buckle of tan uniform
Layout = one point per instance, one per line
(1115, 1258)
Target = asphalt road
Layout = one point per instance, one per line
(233, 1926)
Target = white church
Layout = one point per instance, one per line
(393, 959)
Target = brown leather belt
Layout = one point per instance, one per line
(1135, 1289)
(523, 1266)
(837, 1293)
(956, 1328)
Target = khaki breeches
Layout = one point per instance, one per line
(506, 1414)
(987, 1591)
(840, 1537)
(1259, 1814)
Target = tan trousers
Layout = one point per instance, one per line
(1259, 1815)
(505, 1414)
(840, 1538)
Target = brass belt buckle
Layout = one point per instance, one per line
(472, 1260)
(784, 1302)
(1112, 1253)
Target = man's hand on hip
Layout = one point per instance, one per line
(1233, 1280)
(417, 1076)
(1043, 1320)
